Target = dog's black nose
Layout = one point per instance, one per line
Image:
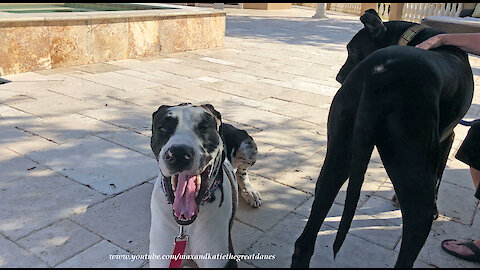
(179, 158)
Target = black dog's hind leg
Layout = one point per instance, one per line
(445, 148)
(410, 154)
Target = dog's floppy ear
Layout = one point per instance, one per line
(160, 109)
(210, 108)
(373, 23)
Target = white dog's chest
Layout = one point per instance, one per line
(209, 233)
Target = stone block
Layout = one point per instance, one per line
(58, 242)
(34, 201)
(13, 256)
(123, 220)
(99, 164)
(98, 256)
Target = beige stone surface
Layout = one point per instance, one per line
(60, 241)
(109, 39)
(143, 37)
(24, 47)
(62, 41)
(70, 43)
(172, 34)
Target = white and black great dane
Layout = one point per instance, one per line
(195, 152)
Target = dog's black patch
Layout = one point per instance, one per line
(208, 132)
(163, 126)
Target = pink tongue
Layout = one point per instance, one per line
(184, 203)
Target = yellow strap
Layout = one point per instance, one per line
(411, 32)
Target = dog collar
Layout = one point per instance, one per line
(410, 33)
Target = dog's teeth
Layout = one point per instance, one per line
(198, 181)
(174, 182)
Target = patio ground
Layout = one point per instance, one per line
(77, 171)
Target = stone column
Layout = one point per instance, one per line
(396, 11)
(218, 5)
(320, 11)
(366, 6)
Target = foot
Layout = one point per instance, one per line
(251, 195)
(463, 249)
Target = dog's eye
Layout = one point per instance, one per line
(204, 126)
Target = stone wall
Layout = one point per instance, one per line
(28, 45)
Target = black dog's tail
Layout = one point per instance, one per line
(362, 146)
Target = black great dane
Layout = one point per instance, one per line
(404, 100)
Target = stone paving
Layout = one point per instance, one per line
(77, 171)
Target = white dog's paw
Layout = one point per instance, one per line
(252, 196)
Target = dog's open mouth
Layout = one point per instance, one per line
(186, 188)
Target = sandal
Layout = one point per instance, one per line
(468, 243)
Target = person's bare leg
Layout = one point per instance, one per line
(454, 245)
(475, 176)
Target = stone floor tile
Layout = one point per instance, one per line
(458, 173)
(197, 94)
(124, 115)
(277, 202)
(98, 68)
(13, 165)
(22, 142)
(248, 115)
(13, 256)
(61, 129)
(306, 98)
(242, 264)
(382, 208)
(55, 105)
(39, 199)
(292, 136)
(85, 90)
(287, 231)
(273, 163)
(444, 228)
(304, 112)
(98, 256)
(118, 80)
(123, 220)
(103, 166)
(265, 105)
(151, 99)
(235, 76)
(128, 139)
(385, 190)
(243, 236)
(251, 90)
(448, 204)
(59, 242)
(304, 175)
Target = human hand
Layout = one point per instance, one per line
(433, 42)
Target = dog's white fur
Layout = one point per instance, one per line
(210, 231)
(207, 234)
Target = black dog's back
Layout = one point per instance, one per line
(404, 100)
